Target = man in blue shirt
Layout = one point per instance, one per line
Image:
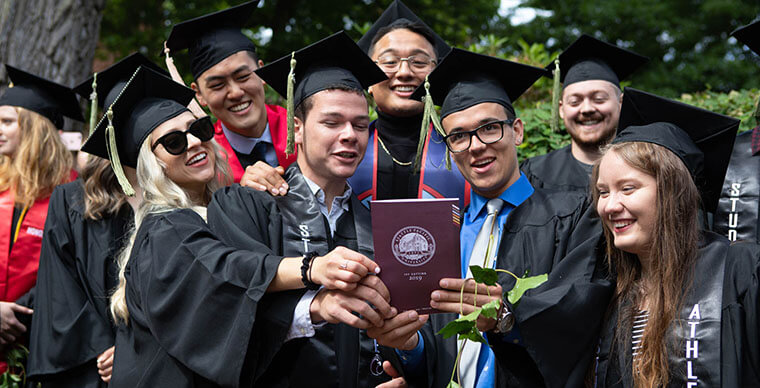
(548, 338)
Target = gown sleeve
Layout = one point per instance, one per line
(67, 330)
(740, 325)
(199, 297)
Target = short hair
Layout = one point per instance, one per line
(406, 24)
(303, 109)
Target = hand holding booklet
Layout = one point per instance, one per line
(416, 245)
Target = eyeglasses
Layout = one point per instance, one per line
(391, 63)
(175, 142)
(486, 133)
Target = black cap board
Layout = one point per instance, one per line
(749, 35)
(464, 79)
(399, 11)
(703, 140)
(214, 37)
(111, 80)
(589, 58)
(47, 98)
(335, 60)
(148, 99)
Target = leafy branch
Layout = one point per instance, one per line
(15, 376)
(465, 327)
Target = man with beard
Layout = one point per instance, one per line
(590, 71)
(737, 216)
(223, 61)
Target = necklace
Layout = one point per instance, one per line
(389, 153)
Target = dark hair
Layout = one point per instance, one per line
(253, 55)
(303, 109)
(406, 24)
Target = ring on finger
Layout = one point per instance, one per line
(344, 265)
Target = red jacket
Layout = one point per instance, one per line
(18, 268)
(277, 117)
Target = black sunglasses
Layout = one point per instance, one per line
(175, 142)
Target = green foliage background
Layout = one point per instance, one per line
(693, 58)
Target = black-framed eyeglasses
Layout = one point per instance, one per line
(175, 142)
(418, 62)
(487, 133)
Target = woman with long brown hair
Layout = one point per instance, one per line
(684, 312)
(33, 161)
(72, 335)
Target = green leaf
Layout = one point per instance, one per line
(486, 276)
(460, 325)
(490, 309)
(453, 384)
(525, 284)
(473, 335)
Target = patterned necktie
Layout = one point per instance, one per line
(485, 242)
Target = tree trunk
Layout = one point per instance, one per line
(54, 39)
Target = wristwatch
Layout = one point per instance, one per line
(505, 320)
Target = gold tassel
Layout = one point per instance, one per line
(94, 103)
(113, 156)
(555, 97)
(194, 106)
(429, 116)
(290, 149)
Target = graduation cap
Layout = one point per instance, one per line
(47, 98)
(103, 87)
(749, 35)
(212, 38)
(106, 81)
(589, 58)
(465, 79)
(703, 140)
(335, 60)
(147, 100)
(398, 11)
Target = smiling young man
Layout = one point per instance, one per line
(316, 335)
(223, 63)
(548, 338)
(590, 71)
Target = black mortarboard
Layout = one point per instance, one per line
(464, 79)
(147, 100)
(212, 38)
(749, 35)
(397, 11)
(703, 140)
(49, 99)
(111, 80)
(589, 58)
(335, 60)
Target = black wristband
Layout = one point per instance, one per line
(305, 270)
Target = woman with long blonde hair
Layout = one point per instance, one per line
(684, 313)
(187, 302)
(33, 161)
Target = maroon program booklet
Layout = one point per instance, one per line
(416, 245)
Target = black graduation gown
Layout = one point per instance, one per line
(739, 364)
(557, 170)
(401, 136)
(192, 304)
(338, 355)
(555, 233)
(71, 325)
